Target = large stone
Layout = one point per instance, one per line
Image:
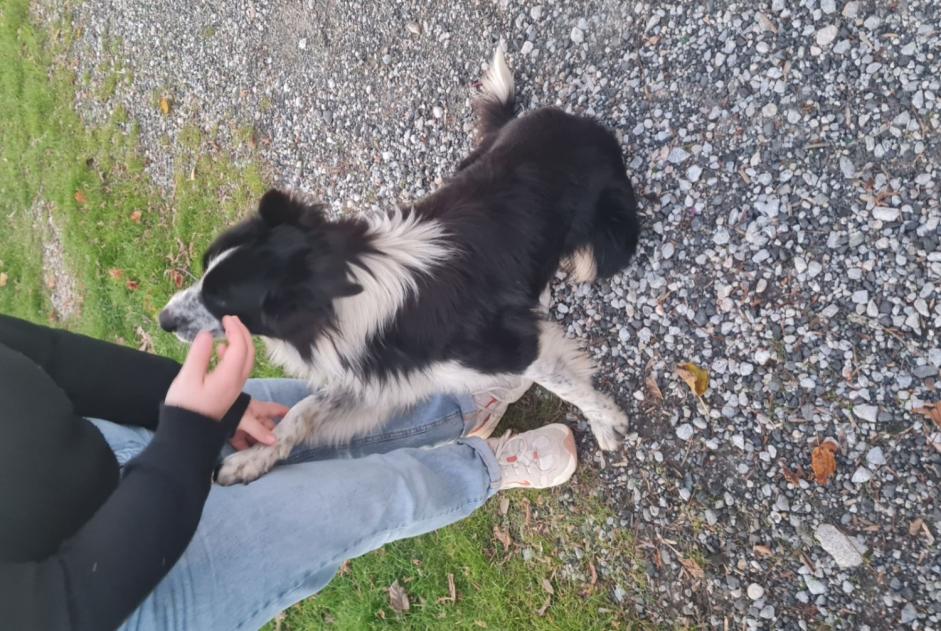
(846, 552)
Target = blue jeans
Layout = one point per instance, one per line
(262, 547)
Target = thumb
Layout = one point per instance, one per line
(197, 359)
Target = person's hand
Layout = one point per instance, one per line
(213, 393)
(257, 423)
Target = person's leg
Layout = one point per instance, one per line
(435, 421)
(262, 547)
(126, 441)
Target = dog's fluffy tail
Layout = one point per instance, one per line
(495, 102)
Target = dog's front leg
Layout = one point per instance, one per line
(565, 370)
(252, 463)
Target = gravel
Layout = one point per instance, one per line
(813, 128)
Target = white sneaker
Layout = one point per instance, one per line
(537, 459)
(492, 405)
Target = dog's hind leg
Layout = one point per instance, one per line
(565, 370)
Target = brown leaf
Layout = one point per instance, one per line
(932, 411)
(503, 537)
(696, 377)
(915, 527)
(504, 505)
(345, 568)
(115, 273)
(81, 198)
(133, 285)
(481, 624)
(762, 551)
(136, 216)
(790, 475)
(176, 277)
(545, 607)
(547, 587)
(653, 390)
(164, 105)
(693, 568)
(398, 599)
(3, 279)
(823, 460)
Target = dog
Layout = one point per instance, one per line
(442, 296)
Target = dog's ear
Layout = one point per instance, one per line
(277, 207)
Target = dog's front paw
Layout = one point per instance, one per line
(609, 428)
(245, 466)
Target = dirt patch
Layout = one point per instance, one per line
(61, 286)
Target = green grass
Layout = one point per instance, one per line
(124, 242)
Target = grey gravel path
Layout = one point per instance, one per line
(788, 157)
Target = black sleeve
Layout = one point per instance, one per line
(102, 380)
(102, 574)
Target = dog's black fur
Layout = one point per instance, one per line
(544, 186)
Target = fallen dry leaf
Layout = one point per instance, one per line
(823, 460)
(133, 285)
(790, 475)
(545, 607)
(504, 505)
(547, 587)
(146, 342)
(481, 624)
(81, 198)
(165, 105)
(115, 273)
(398, 599)
(915, 527)
(653, 390)
(452, 590)
(503, 537)
(696, 377)
(762, 551)
(345, 568)
(136, 216)
(932, 411)
(693, 568)
(3, 279)
(176, 277)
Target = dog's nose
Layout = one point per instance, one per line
(167, 321)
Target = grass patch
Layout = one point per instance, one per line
(128, 246)
(127, 243)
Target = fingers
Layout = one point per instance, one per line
(197, 359)
(239, 441)
(269, 409)
(236, 364)
(258, 430)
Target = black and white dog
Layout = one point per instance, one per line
(378, 313)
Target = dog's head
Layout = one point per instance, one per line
(278, 271)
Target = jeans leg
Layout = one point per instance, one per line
(434, 421)
(126, 441)
(262, 547)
